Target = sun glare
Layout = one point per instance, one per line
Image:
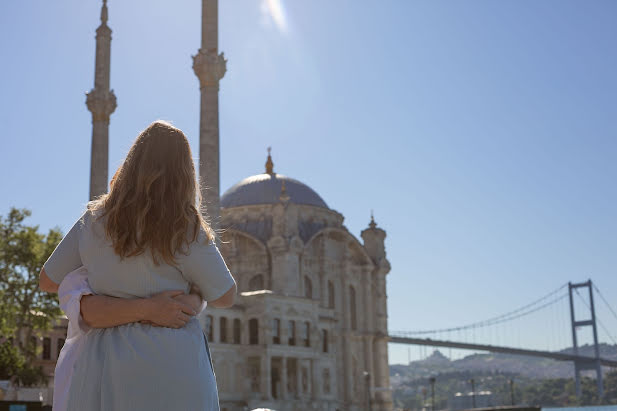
(275, 12)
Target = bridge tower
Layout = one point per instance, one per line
(593, 364)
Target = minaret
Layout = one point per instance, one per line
(210, 67)
(101, 102)
(374, 237)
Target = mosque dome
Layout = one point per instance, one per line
(267, 188)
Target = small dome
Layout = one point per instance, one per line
(266, 189)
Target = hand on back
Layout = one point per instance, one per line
(171, 309)
(192, 300)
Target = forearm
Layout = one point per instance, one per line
(100, 311)
(46, 284)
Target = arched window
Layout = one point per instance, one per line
(308, 287)
(253, 331)
(291, 332)
(306, 334)
(209, 328)
(237, 331)
(331, 294)
(276, 331)
(223, 329)
(352, 308)
(256, 283)
(324, 337)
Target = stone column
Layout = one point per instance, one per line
(298, 377)
(346, 336)
(266, 377)
(382, 378)
(369, 308)
(316, 388)
(101, 102)
(309, 377)
(284, 378)
(210, 67)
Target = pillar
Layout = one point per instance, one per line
(210, 67)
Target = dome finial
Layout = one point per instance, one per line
(372, 224)
(269, 163)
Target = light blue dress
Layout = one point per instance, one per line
(137, 366)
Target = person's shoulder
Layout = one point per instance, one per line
(85, 218)
(201, 243)
(94, 211)
(204, 239)
(93, 219)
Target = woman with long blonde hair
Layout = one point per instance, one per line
(145, 237)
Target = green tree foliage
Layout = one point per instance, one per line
(610, 387)
(25, 311)
(11, 360)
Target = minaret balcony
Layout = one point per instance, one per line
(101, 103)
(209, 67)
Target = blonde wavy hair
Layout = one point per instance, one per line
(154, 202)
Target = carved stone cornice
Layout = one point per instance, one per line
(209, 67)
(101, 104)
(103, 32)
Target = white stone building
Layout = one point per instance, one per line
(309, 327)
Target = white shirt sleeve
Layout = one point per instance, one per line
(71, 289)
(204, 266)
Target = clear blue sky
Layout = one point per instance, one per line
(482, 133)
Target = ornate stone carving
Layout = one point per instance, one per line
(101, 104)
(209, 67)
(277, 245)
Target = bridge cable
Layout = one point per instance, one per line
(597, 319)
(605, 302)
(496, 320)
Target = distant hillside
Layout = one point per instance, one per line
(530, 367)
(537, 381)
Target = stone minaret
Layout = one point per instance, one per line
(374, 244)
(210, 67)
(101, 102)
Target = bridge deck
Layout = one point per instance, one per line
(506, 350)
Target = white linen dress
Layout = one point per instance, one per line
(138, 366)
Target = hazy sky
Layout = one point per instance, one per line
(483, 134)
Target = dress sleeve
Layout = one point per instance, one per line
(65, 257)
(204, 266)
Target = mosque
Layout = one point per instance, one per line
(309, 327)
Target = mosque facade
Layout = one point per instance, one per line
(308, 330)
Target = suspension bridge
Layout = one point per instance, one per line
(567, 300)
